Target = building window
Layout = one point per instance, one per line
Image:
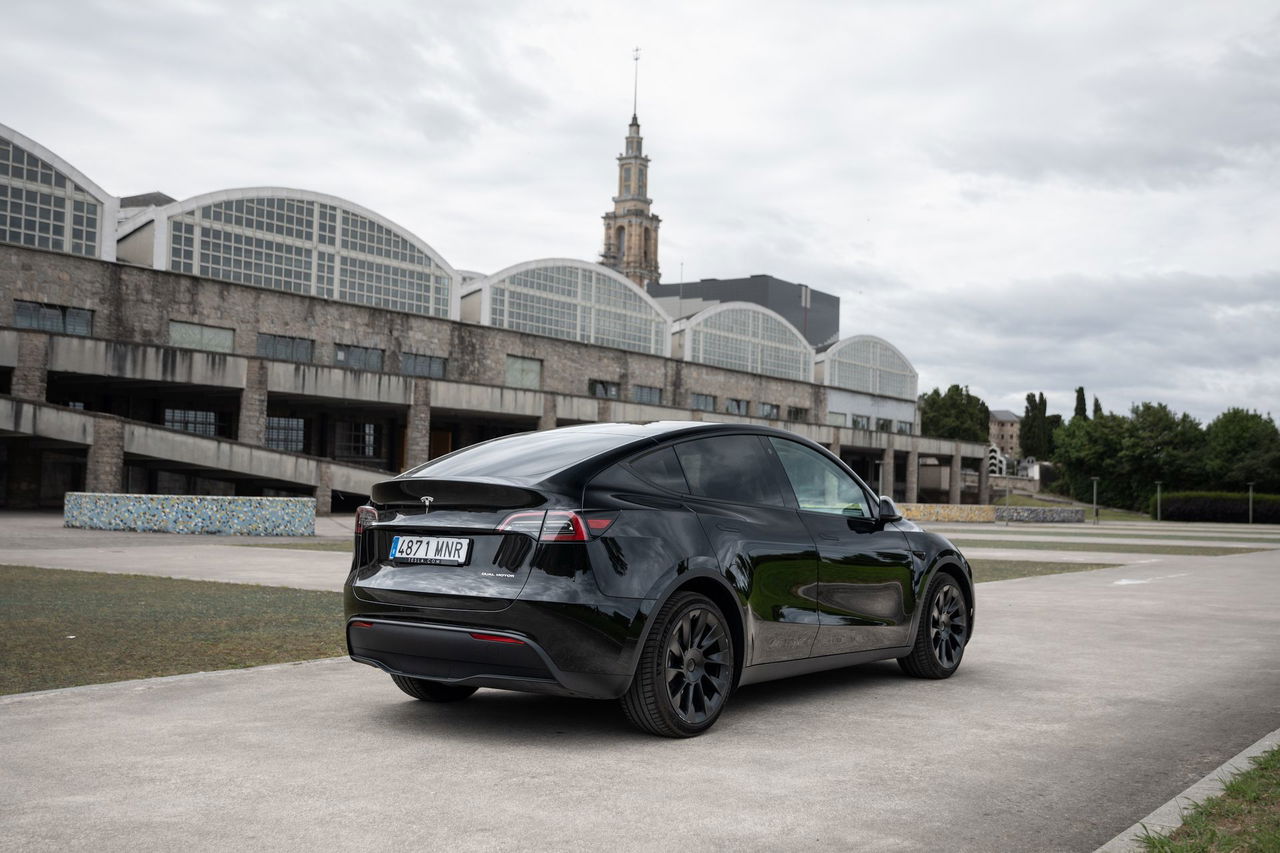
(429, 366)
(648, 394)
(197, 336)
(884, 425)
(797, 414)
(602, 389)
(285, 348)
(736, 407)
(702, 402)
(286, 434)
(860, 421)
(524, 372)
(838, 419)
(191, 420)
(52, 318)
(769, 410)
(357, 358)
(903, 427)
(357, 441)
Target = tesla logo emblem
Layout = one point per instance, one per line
(426, 503)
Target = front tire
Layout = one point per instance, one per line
(686, 669)
(432, 691)
(943, 631)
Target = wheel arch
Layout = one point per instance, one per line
(716, 588)
(952, 565)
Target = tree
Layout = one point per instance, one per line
(1097, 407)
(957, 414)
(1081, 411)
(1035, 437)
(1243, 447)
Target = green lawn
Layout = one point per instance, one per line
(1003, 570)
(1089, 531)
(965, 541)
(1244, 817)
(62, 628)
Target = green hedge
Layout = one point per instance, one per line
(1218, 506)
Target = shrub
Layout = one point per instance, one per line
(1218, 506)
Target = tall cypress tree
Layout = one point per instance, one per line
(1081, 410)
(1097, 408)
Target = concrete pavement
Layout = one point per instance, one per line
(1085, 701)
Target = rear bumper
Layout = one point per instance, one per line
(452, 654)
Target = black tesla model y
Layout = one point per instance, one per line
(663, 564)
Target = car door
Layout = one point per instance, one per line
(864, 588)
(759, 539)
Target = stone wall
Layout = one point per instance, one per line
(192, 514)
(988, 513)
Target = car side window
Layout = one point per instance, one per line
(662, 469)
(729, 468)
(819, 484)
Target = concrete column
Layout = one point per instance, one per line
(105, 469)
(417, 443)
(604, 411)
(253, 404)
(834, 447)
(984, 483)
(953, 491)
(548, 419)
(886, 471)
(913, 476)
(31, 374)
(25, 470)
(324, 489)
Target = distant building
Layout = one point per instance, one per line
(815, 314)
(1005, 432)
(631, 228)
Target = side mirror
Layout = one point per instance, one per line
(889, 510)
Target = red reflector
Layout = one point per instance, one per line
(497, 638)
(361, 624)
(599, 525)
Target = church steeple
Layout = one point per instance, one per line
(631, 229)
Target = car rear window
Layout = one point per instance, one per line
(729, 468)
(662, 469)
(526, 456)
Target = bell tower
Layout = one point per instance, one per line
(631, 229)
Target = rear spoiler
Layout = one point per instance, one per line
(454, 494)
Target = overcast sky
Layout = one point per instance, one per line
(1021, 196)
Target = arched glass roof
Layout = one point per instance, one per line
(871, 365)
(302, 242)
(576, 301)
(46, 203)
(745, 336)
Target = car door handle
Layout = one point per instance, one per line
(828, 537)
(728, 528)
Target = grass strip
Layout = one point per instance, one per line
(1003, 570)
(61, 628)
(1109, 547)
(1245, 816)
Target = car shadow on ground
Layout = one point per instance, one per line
(498, 717)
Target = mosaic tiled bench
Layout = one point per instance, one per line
(989, 513)
(192, 514)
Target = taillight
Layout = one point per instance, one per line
(559, 525)
(563, 526)
(524, 522)
(365, 515)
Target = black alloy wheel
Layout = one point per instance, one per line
(942, 634)
(432, 691)
(686, 669)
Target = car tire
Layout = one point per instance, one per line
(686, 669)
(942, 633)
(432, 691)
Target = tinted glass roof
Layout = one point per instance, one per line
(528, 456)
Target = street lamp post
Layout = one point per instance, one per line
(1095, 499)
(1158, 482)
(1251, 501)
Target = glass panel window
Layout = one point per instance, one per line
(662, 469)
(648, 394)
(192, 420)
(61, 319)
(903, 427)
(837, 419)
(884, 425)
(769, 410)
(285, 348)
(605, 390)
(358, 441)
(286, 434)
(429, 366)
(702, 402)
(736, 407)
(524, 372)
(197, 336)
(819, 484)
(797, 413)
(730, 468)
(357, 358)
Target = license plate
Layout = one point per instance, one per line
(435, 550)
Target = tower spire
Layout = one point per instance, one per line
(631, 228)
(635, 83)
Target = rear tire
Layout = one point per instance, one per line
(686, 669)
(943, 631)
(432, 691)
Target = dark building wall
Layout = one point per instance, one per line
(819, 321)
